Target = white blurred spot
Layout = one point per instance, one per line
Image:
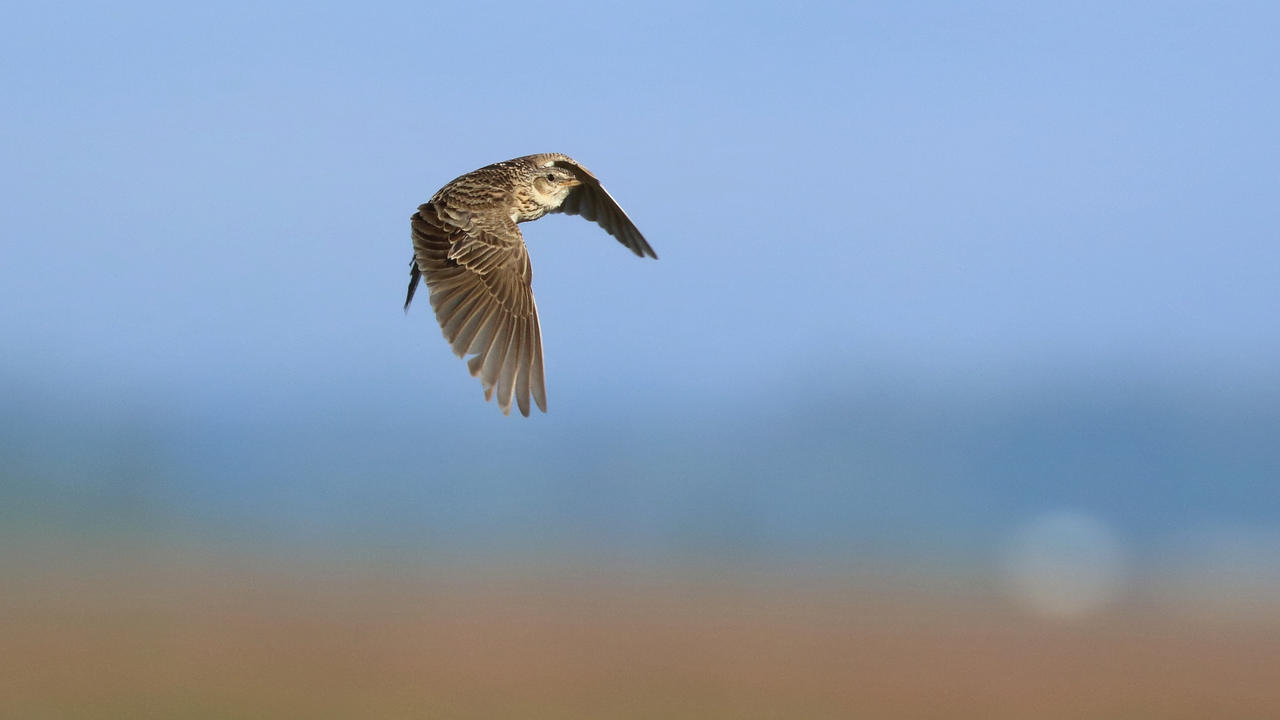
(1064, 565)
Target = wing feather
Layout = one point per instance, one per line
(523, 362)
(593, 202)
(480, 280)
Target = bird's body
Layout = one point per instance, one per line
(468, 249)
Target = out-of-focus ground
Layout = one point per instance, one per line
(1045, 554)
(127, 634)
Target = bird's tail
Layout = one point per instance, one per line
(414, 275)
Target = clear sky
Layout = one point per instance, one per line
(206, 205)
(192, 191)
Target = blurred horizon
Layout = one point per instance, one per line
(825, 482)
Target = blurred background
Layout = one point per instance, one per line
(955, 392)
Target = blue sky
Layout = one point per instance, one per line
(194, 191)
(206, 207)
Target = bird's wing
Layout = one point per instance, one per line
(480, 282)
(593, 202)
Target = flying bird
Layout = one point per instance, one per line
(469, 250)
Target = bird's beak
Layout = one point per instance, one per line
(573, 183)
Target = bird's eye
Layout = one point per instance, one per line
(551, 177)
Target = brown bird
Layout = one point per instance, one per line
(467, 248)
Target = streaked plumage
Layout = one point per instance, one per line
(472, 256)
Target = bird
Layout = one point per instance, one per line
(469, 251)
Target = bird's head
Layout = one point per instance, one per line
(552, 184)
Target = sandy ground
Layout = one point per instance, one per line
(214, 639)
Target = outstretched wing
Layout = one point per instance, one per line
(480, 282)
(593, 202)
